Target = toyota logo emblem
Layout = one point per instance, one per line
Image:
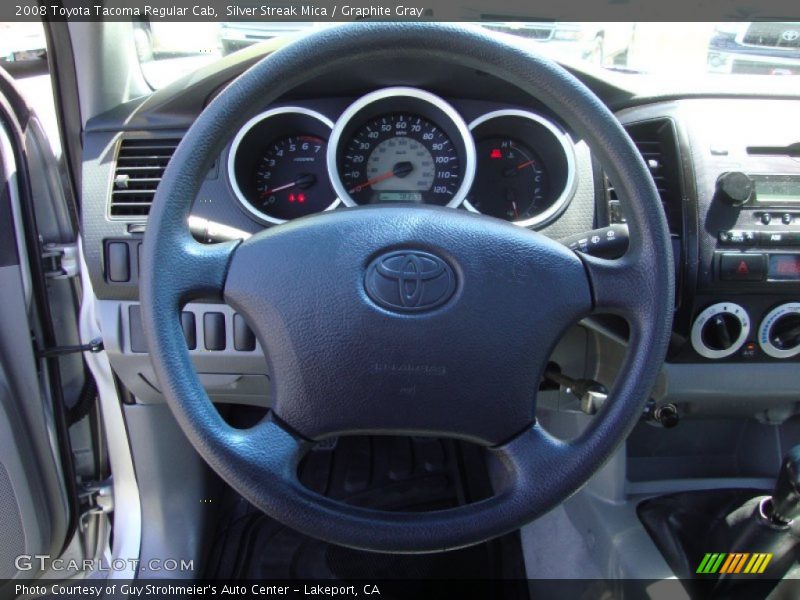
(409, 281)
(790, 35)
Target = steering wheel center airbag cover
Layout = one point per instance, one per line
(409, 281)
(468, 366)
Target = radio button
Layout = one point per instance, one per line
(738, 237)
(776, 238)
(734, 188)
(766, 218)
(742, 267)
(787, 218)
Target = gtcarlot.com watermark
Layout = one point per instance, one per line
(43, 562)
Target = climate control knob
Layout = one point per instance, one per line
(779, 333)
(720, 330)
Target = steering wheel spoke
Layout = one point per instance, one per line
(268, 446)
(619, 286)
(192, 269)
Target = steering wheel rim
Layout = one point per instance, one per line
(261, 462)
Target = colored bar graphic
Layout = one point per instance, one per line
(734, 563)
(711, 563)
(726, 566)
(763, 561)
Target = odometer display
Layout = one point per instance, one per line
(400, 157)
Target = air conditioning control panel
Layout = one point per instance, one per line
(743, 328)
(779, 332)
(720, 330)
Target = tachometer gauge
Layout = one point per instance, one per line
(291, 179)
(526, 168)
(401, 145)
(277, 165)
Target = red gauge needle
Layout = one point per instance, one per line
(279, 188)
(374, 180)
(512, 171)
(304, 182)
(525, 164)
(401, 169)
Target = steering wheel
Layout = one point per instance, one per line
(463, 359)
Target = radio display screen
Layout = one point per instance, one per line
(777, 188)
(784, 267)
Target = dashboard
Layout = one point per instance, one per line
(402, 145)
(432, 134)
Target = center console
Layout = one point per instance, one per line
(757, 259)
(739, 182)
(751, 275)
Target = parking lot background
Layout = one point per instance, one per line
(669, 50)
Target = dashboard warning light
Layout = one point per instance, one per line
(291, 198)
(301, 198)
(495, 153)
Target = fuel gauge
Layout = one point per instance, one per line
(525, 171)
(511, 182)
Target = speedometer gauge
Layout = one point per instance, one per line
(401, 145)
(401, 158)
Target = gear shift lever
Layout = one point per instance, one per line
(764, 525)
(784, 506)
(738, 523)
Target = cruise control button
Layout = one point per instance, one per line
(742, 267)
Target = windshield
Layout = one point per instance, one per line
(169, 50)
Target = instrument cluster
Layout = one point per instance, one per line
(402, 145)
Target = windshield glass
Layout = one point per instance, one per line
(168, 50)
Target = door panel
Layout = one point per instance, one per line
(35, 513)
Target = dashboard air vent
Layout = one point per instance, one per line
(657, 144)
(139, 167)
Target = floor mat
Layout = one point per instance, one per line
(400, 474)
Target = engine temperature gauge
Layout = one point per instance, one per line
(511, 182)
(525, 169)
